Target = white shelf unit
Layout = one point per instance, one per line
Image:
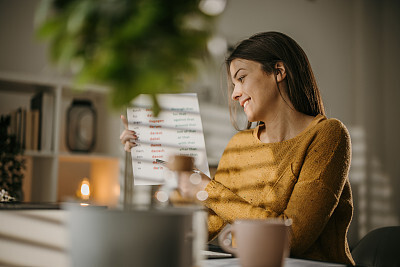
(54, 175)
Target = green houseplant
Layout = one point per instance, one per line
(12, 164)
(131, 46)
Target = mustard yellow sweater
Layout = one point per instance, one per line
(304, 179)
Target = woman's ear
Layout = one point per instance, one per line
(280, 71)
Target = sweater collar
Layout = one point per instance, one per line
(317, 119)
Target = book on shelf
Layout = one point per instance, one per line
(13, 122)
(32, 126)
(17, 125)
(22, 127)
(44, 103)
(31, 130)
(28, 130)
(35, 130)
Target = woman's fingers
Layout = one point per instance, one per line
(124, 121)
(125, 133)
(192, 184)
(127, 137)
(128, 146)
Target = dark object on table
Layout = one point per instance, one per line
(215, 248)
(216, 252)
(29, 205)
(378, 248)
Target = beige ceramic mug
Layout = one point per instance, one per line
(263, 242)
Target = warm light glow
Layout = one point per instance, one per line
(202, 195)
(85, 189)
(195, 178)
(162, 196)
(217, 45)
(212, 7)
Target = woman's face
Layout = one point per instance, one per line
(255, 90)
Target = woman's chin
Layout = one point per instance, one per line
(250, 118)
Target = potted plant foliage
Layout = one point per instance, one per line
(131, 46)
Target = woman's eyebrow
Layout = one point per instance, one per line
(234, 76)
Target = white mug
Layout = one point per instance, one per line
(260, 242)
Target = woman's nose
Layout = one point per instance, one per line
(236, 94)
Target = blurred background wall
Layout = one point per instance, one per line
(353, 47)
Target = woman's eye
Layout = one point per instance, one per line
(241, 79)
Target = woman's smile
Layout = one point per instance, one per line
(245, 103)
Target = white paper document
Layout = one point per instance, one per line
(176, 131)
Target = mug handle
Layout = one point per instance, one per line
(223, 238)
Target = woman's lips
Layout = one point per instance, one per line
(245, 104)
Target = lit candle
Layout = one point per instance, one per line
(84, 189)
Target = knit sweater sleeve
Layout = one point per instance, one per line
(320, 184)
(320, 181)
(224, 204)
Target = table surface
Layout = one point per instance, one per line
(42, 238)
(289, 262)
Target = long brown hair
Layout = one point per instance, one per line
(268, 48)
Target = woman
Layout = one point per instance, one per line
(293, 164)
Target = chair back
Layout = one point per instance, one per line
(378, 248)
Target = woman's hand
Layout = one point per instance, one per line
(193, 185)
(127, 137)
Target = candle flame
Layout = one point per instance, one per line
(85, 189)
